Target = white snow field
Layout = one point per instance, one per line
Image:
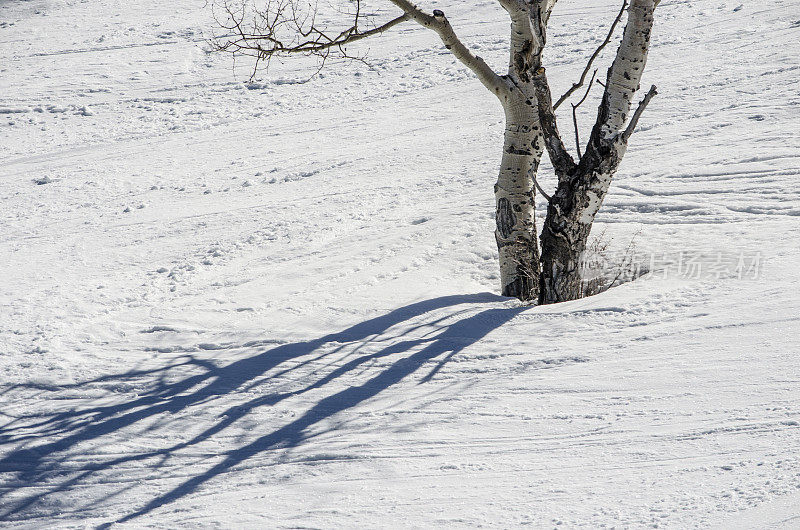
(273, 304)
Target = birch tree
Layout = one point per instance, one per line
(284, 28)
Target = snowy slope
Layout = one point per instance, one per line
(270, 304)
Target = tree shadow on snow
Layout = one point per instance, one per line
(40, 464)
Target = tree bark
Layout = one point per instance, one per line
(583, 186)
(522, 150)
(514, 196)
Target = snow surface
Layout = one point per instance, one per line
(270, 303)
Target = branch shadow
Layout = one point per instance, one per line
(33, 462)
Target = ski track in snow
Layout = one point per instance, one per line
(268, 303)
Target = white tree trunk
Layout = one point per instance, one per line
(514, 195)
(516, 233)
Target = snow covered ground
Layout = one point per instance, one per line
(270, 304)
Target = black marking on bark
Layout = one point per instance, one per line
(501, 242)
(523, 287)
(521, 63)
(512, 150)
(505, 217)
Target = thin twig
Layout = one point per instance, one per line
(536, 183)
(638, 113)
(575, 113)
(576, 86)
(264, 37)
(577, 136)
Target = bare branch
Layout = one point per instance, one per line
(538, 187)
(285, 27)
(625, 73)
(576, 86)
(638, 113)
(548, 10)
(563, 163)
(575, 113)
(439, 23)
(288, 27)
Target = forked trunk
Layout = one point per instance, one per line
(583, 186)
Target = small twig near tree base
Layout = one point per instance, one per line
(576, 86)
(575, 113)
